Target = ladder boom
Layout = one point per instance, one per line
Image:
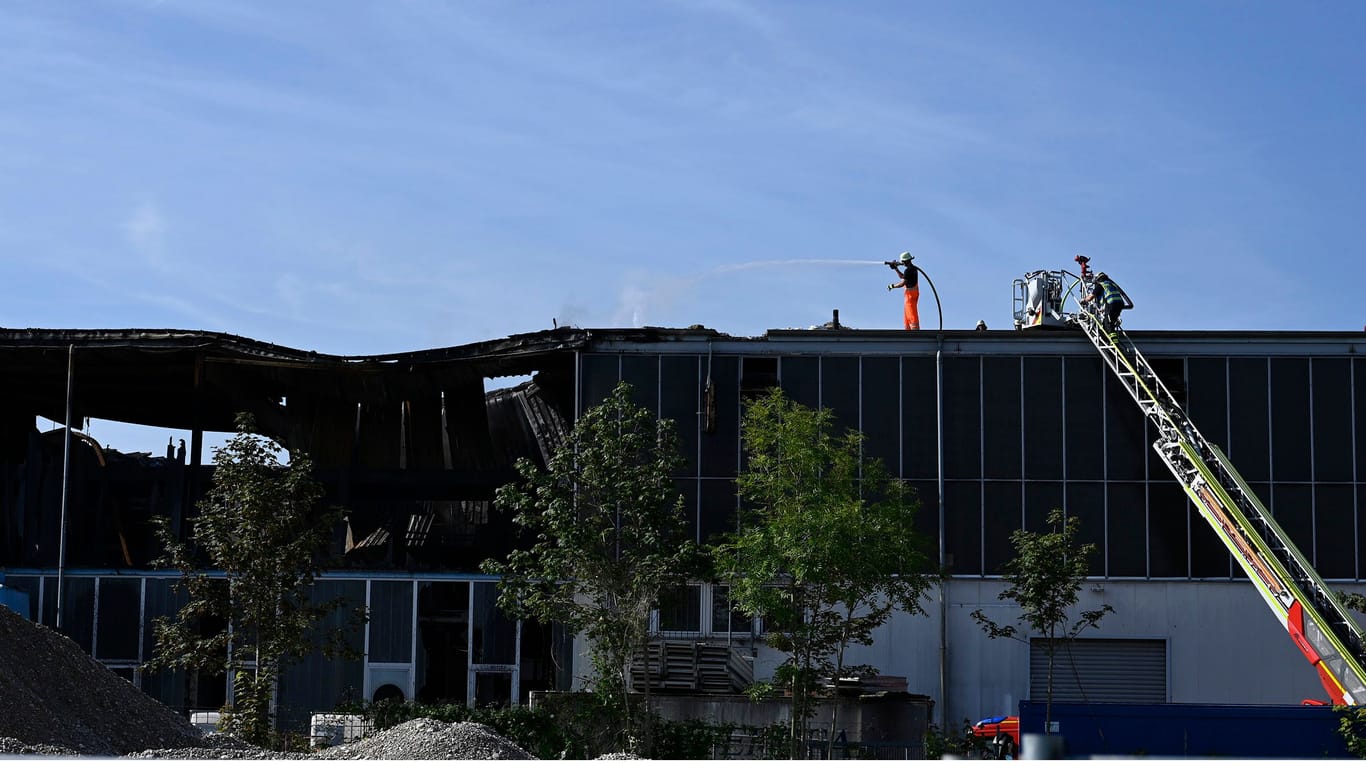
(1312, 614)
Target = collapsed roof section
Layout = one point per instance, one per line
(200, 380)
(411, 443)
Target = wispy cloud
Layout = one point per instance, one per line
(741, 12)
(145, 229)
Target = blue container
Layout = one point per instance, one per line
(1190, 731)
(15, 600)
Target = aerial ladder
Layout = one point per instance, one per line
(1311, 613)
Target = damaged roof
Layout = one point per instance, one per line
(201, 379)
(186, 379)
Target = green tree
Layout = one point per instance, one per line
(1352, 718)
(1045, 578)
(261, 524)
(826, 549)
(1352, 727)
(609, 536)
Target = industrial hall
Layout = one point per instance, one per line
(993, 429)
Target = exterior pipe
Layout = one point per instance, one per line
(66, 481)
(939, 432)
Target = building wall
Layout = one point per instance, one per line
(1039, 425)
(1223, 646)
(1033, 423)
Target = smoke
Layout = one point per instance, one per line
(662, 295)
(780, 262)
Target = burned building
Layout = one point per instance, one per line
(410, 445)
(414, 445)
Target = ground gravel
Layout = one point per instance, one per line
(12, 747)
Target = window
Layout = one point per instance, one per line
(1168, 533)
(391, 621)
(840, 390)
(725, 619)
(1249, 436)
(1001, 418)
(680, 610)
(1084, 431)
(881, 404)
(119, 606)
(1172, 372)
(962, 417)
(1127, 530)
(1332, 392)
(600, 373)
(919, 432)
(642, 373)
(757, 376)
(1003, 516)
(721, 422)
(679, 399)
(801, 380)
(1208, 398)
(1043, 438)
(1290, 419)
(1126, 437)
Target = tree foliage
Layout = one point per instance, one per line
(826, 549)
(262, 526)
(1045, 579)
(1352, 728)
(609, 536)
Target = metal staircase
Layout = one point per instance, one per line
(1317, 621)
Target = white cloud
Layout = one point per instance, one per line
(145, 229)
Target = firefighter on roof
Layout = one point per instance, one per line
(910, 280)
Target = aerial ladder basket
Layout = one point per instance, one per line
(1311, 613)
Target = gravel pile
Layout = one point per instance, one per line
(422, 739)
(53, 695)
(428, 739)
(55, 700)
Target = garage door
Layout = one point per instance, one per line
(1101, 670)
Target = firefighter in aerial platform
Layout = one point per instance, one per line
(1111, 297)
(910, 280)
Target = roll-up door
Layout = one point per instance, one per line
(1101, 670)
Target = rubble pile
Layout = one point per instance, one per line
(53, 696)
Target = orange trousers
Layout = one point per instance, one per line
(913, 309)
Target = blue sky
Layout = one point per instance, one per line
(368, 177)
